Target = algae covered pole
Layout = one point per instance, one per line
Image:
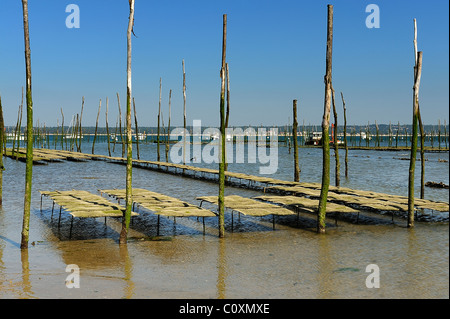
(294, 136)
(29, 156)
(222, 132)
(128, 192)
(325, 127)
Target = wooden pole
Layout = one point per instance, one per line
(120, 126)
(168, 129)
(184, 113)
(294, 137)
(128, 195)
(29, 156)
(418, 73)
(325, 127)
(2, 136)
(159, 116)
(335, 141)
(345, 136)
(62, 131)
(107, 128)
(222, 131)
(136, 129)
(17, 128)
(419, 118)
(96, 125)
(81, 130)
(227, 116)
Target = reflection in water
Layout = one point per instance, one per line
(128, 271)
(221, 269)
(325, 267)
(26, 284)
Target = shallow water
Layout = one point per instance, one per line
(253, 261)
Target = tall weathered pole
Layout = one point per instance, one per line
(422, 131)
(294, 137)
(29, 156)
(412, 163)
(325, 128)
(128, 191)
(222, 132)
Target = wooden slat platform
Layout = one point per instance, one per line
(247, 206)
(161, 204)
(83, 204)
(305, 203)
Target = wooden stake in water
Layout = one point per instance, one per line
(335, 141)
(184, 113)
(168, 129)
(120, 126)
(417, 76)
(227, 116)
(325, 128)
(29, 156)
(345, 136)
(107, 128)
(96, 126)
(2, 137)
(159, 119)
(81, 130)
(294, 137)
(137, 130)
(128, 193)
(222, 160)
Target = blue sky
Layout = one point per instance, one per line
(276, 53)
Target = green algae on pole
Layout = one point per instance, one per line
(29, 155)
(325, 127)
(128, 199)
